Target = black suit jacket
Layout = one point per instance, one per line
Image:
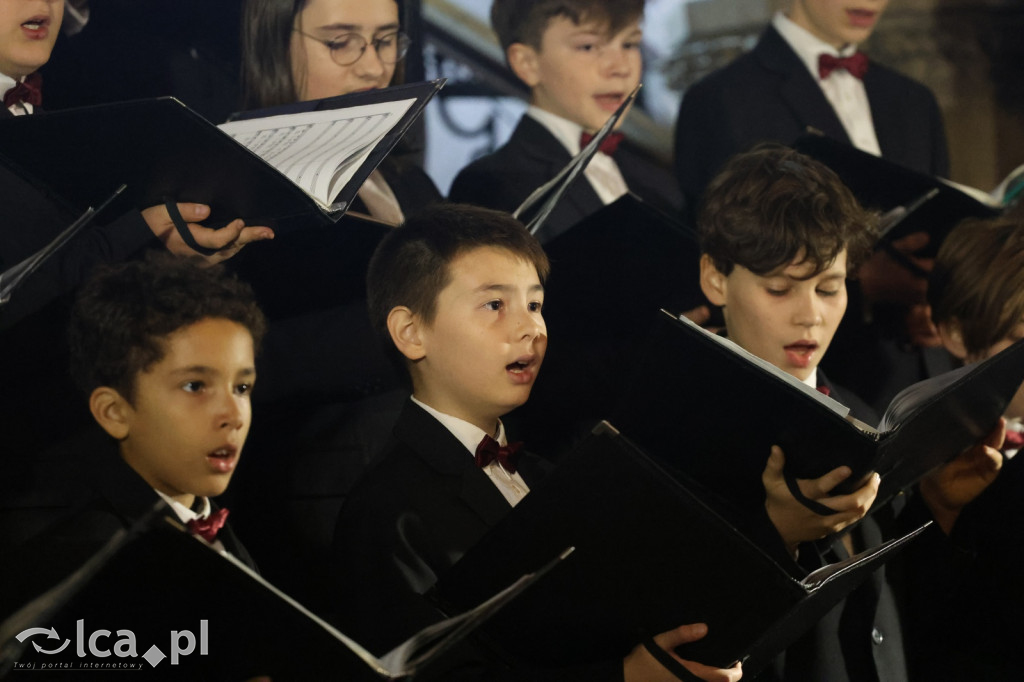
(104, 496)
(532, 156)
(31, 217)
(769, 95)
(406, 522)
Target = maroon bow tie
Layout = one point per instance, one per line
(207, 528)
(856, 64)
(28, 91)
(608, 145)
(825, 390)
(506, 455)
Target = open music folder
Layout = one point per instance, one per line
(299, 165)
(649, 556)
(156, 581)
(731, 407)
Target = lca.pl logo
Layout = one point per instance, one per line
(102, 644)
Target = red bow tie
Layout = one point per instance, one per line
(28, 91)
(608, 145)
(825, 390)
(207, 528)
(506, 455)
(856, 64)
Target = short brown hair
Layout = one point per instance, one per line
(772, 204)
(410, 266)
(524, 21)
(978, 281)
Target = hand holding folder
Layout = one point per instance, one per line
(692, 382)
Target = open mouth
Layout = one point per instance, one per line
(610, 100)
(517, 367)
(523, 369)
(223, 459)
(861, 17)
(36, 23)
(801, 352)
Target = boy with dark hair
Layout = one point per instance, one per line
(779, 233)
(164, 349)
(806, 71)
(580, 58)
(976, 291)
(458, 291)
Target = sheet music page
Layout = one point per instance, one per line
(319, 151)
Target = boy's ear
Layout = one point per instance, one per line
(712, 281)
(404, 327)
(523, 61)
(952, 338)
(111, 410)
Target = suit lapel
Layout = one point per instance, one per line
(539, 144)
(798, 89)
(452, 462)
(885, 114)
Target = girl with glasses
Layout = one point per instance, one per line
(297, 50)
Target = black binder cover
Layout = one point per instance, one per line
(165, 580)
(160, 580)
(610, 274)
(883, 185)
(649, 556)
(160, 148)
(730, 411)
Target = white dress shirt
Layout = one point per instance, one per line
(512, 486)
(602, 172)
(844, 91)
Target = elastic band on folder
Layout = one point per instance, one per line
(671, 664)
(182, 227)
(816, 507)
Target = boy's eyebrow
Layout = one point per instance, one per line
(507, 287)
(204, 369)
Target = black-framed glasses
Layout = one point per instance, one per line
(348, 48)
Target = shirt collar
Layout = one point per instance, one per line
(184, 513)
(808, 47)
(468, 434)
(812, 380)
(6, 83)
(564, 130)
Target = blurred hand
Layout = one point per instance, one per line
(641, 666)
(954, 485)
(229, 239)
(884, 280)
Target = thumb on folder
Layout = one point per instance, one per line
(227, 240)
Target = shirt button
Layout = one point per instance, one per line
(876, 636)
